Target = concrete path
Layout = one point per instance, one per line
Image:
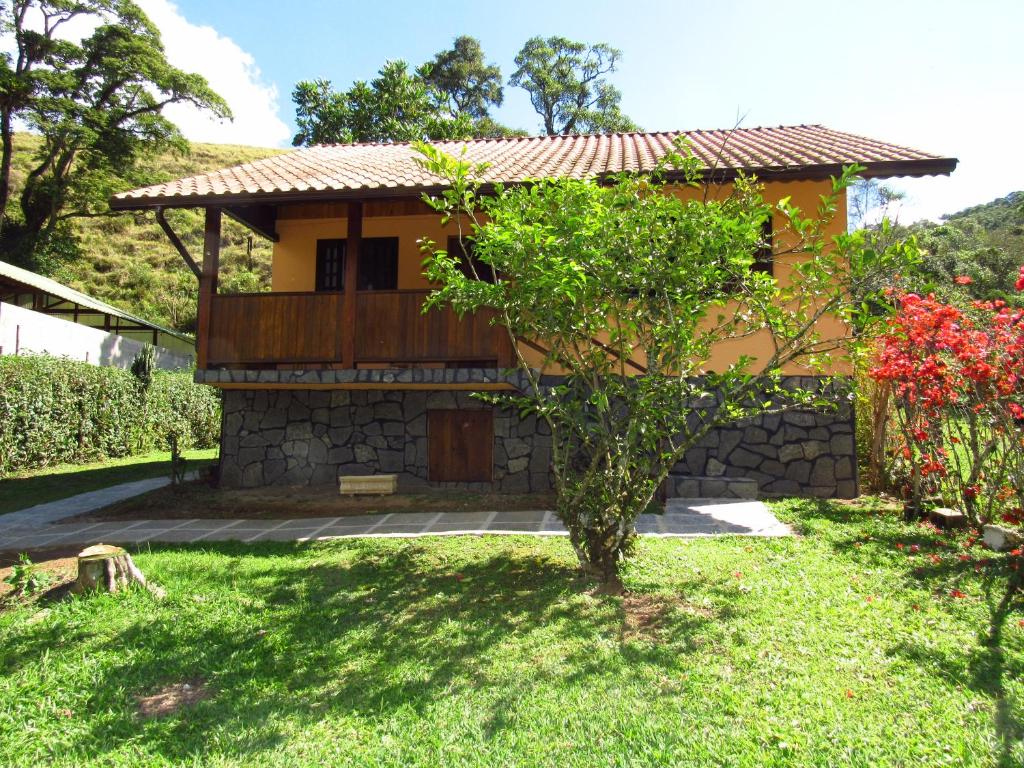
(61, 509)
(688, 518)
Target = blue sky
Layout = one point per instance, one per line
(946, 77)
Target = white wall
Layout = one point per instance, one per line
(23, 331)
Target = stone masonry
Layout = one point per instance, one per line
(796, 453)
(304, 437)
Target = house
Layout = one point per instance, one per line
(336, 370)
(41, 316)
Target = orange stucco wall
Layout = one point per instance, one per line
(294, 264)
(294, 258)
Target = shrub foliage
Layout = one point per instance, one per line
(54, 410)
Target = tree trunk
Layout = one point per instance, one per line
(7, 136)
(108, 568)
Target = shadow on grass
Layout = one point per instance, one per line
(21, 492)
(984, 668)
(356, 630)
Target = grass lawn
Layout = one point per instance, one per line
(837, 647)
(36, 486)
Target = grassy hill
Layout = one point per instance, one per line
(127, 260)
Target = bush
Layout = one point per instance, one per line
(54, 410)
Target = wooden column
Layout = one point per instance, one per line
(207, 283)
(353, 245)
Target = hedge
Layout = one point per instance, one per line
(54, 410)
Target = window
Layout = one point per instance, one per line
(763, 261)
(330, 265)
(378, 264)
(464, 253)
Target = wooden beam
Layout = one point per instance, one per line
(261, 219)
(353, 244)
(176, 242)
(207, 283)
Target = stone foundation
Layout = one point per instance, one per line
(303, 437)
(308, 437)
(797, 453)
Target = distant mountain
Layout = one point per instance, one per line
(126, 260)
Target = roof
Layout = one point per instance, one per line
(373, 170)
(15, 274)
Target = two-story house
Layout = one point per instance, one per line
(337, 371)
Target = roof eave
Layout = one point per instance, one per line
(939, 166)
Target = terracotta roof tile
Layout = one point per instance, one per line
(340, 170)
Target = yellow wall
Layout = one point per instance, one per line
(294, 264)
(294, 259)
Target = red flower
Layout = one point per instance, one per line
(962, 280)
(956, 593)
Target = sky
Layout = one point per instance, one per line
(939, 76)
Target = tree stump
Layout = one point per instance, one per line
(105, 567)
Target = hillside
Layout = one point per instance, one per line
(127, 260)
(984, 242)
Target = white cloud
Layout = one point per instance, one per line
(231, 72)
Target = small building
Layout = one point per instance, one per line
(336, 369)
(41, 316)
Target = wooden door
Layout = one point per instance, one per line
(461, 445)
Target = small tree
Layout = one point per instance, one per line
(957, 373)
(629, 289)
(143, 367)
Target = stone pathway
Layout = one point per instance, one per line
(40, 527)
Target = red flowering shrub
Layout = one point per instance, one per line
(957, 374)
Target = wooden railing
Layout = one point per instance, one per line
(306, 328)
(392, 328)
(267, 328)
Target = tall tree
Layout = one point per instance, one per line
(567, 85)
(98, 104)
(397, 105)
(463, 81)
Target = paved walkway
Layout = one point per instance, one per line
(40, 526)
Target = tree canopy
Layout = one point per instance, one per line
(463, 81)
(97, 103)
(448, 97)
(628, 289)
(452, 95)
(567, 85)
(397, 105)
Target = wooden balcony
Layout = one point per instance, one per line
(266, 330)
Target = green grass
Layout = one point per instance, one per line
(24, 489)
(834, 648)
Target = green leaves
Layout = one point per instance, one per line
(97, 102)
(628, 291)
(54, 410)
(567, 87)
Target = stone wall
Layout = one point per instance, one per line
(306, 437)
(302, 437)
(797, 453)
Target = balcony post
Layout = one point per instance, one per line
(353, 245)
(207, 284)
